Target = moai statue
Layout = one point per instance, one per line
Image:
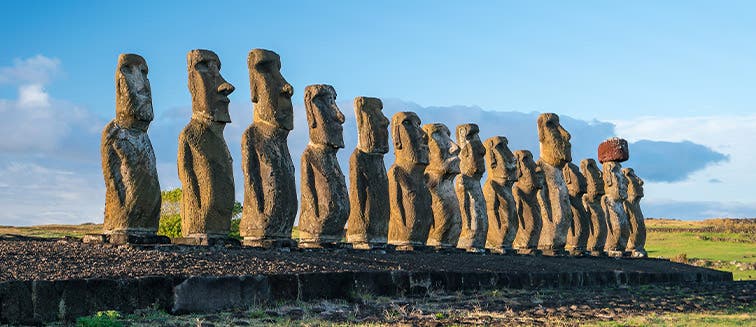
(409, 198)
(270, 194)
(472, 203)
(367, 226)
(502, 211)
(556, 151)
(132, 190)
(610, 153)
(525, 193)
(325, 201)
(636, 243)
(204, 162)
(577, 236)
(439, 175)
(594, 210)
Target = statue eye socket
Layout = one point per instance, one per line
(201, 66)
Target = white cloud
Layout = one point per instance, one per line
(35, 70)
(33, 95)
(731, 135)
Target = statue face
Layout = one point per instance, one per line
(410, 141)
(323, 116)
(133, 93)
(502, 164)
(472, 153)
(443, 151)
(576, 182)
(615, 184)
(634, 183)
(271, 93)
(527, 170)
(372, 125)
(556, 149)
(208, 88)
(594, 180)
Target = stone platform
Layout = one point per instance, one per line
(49, 280)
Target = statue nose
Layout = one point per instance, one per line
(340, 116)
(226, 88)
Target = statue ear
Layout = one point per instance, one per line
(608, 179)
(492, 159)
(519, 168)
(566, 171)
(397, 136)
(310, 115)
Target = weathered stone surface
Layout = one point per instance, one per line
(613, 203)
(500, 203)
(270, 194)
(525, 193)
(472, 203)
(325, 201)
(132, 190)
(439, 176)
(409, 198)
(577, 236)
(613, 149)
(204, 162)
(368, 182)
(637, 239)
(556, 151)
(593, 208)
(207, 294)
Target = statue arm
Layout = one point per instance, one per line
(358, 179)
(309, 192)
(492, 204)
(395, 193)
(605, 208)
(112, 171)
(186, 170)
(251, 169)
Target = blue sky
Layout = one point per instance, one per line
(657, 71)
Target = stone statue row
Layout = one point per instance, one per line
(430, 197)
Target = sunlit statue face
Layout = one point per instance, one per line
(133, 93)
(323, 116)
(502, 164)
(443, 151)
(208, 88)
(372, 125)
(576, 182)
(556, 149)
(634, 183)
(615, 184)
(593, 178)
(271, 93)
(410, 141)
(472, 153)
(527, 171)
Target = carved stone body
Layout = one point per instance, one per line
(637, 238)
(502, 210)
(525, 193)
(325, 201)
(409, 198)
(367, 226)
(577, 236)
(439, 176)
(204, 162)
(270, 195)
(472, 203)
(613, 203)
(556, 151)
(132, 190)
(593, 208)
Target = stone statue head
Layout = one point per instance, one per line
(527, 170)
(594, 180)
(208, 88)
(634, 183)
(133, 93)
(556, 149)
(271, 93)
(443, 151)
(323, 116)
(372, 125)
(472, 160)
(615, 184)
(410, 141)
(502, 164)
(576, 182)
